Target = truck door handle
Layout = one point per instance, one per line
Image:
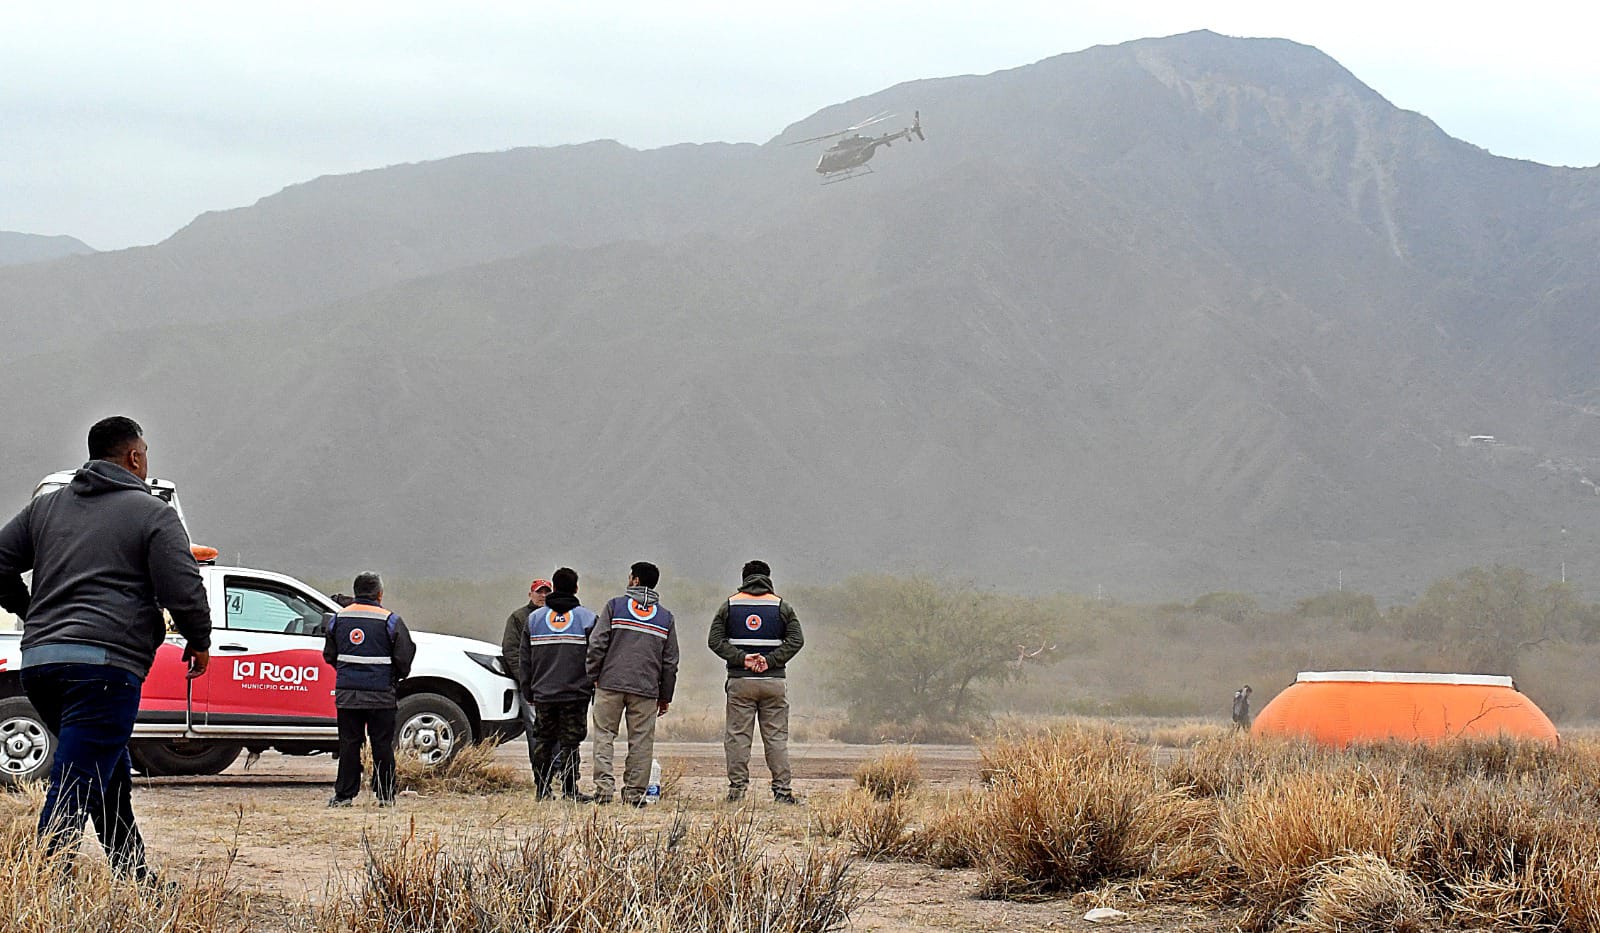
(232, 648)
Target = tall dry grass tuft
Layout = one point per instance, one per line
(1070, 810)
(876, 829)
(892, 774)
(598, 876)
(1363, 894)
(1275, 834)
(473, 770)
(39, 894)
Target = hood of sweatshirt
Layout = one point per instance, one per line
(643, 595)
(562, 602)
(757, 584)
(98, 477)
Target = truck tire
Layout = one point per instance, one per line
(173, 759)
(26, 746)
(431, 728)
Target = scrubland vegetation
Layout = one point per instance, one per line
(919, 660)
(1493, 834)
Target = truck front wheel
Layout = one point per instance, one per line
(431, 728)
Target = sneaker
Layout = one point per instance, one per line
(785, 797)
(735, 794)
(334, 802)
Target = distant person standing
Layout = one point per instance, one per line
(552, 665)
(511, 642)
(757, 633)
(371, 652)
(106, 557)
(633, 660)
(1241, 708)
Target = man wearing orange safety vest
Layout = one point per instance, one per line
(371, 652)
(757, 633)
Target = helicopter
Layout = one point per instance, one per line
(848, 157)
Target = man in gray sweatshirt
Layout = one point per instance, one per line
(106, 557)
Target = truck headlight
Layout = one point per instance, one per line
(490, 662)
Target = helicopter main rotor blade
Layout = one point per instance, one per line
(817, 139)
(875, 118)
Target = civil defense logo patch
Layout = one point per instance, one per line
(752, 622)
(357, 636)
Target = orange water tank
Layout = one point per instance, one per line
(1340, 707)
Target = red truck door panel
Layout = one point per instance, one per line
(266, 663)
(165, 696)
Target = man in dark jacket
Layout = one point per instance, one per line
(633, 660)
(106, 556)
(371, 651)
(555, 683)
(511, 642)
(757, 633)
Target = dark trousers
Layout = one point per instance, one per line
(558, 733)
(355, 727)
(90, 708)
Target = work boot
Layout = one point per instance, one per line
(735, 794)
(335, 802)
(785, 797)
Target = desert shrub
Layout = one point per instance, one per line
(473, 770)
(1277, 832)
(948, 836)
(877, 829)
(714, 876)
(1363, 894)
(892, 774)
(1069, 810)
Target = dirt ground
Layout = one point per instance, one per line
(286, 846)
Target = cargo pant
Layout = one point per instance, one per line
(752, 699)
(558, 733)
(609, 707)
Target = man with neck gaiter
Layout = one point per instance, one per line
(552, 673)
(633, 660)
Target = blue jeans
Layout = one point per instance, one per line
(90, 708)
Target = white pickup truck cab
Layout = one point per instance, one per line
(268, 687)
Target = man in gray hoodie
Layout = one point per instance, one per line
(106, 556)
(633, 660)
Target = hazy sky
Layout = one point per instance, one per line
(119, 122)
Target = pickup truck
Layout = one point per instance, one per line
(268, 688)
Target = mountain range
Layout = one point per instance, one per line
(1182, 314)
(18, 248)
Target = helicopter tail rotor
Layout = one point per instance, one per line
(916, 125)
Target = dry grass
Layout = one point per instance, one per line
(598, 876)
(1493, 834)
(876, 829)
(39, 894)
(892, 774)
(1364, 894)
(473, 770)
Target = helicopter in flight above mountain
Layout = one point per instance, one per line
(848, 157)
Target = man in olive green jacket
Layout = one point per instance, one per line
(757, 633)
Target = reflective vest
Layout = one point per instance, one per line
(364, 638)
(754, 624)
(547, 628)
(629, 616)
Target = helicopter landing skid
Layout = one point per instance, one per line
(848, 174)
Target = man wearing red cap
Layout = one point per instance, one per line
(511, 652)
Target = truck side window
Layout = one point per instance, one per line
(258, 606)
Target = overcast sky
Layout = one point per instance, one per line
(119, 122)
